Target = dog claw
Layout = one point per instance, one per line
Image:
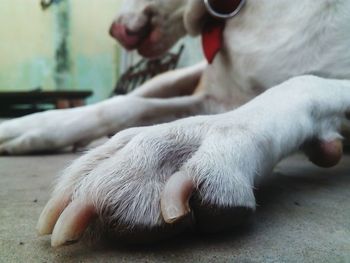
(175, 197)
(50, 214)
(72, 223)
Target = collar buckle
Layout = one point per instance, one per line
(221, 15)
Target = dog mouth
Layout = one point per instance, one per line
(144, 38)
(129, 39)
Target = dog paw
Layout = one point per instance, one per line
(155, 181)
(48, 131)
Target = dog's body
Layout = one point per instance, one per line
(299, 51)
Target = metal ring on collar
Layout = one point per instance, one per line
(214, 13)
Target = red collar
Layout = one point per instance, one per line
(212, 33)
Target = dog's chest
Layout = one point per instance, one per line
(263, 48)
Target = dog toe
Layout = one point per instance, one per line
(51, 213)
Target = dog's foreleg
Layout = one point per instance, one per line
(57, 129)
(306, 113)
(174, 83)
(302, 111)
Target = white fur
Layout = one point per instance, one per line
(297, 51)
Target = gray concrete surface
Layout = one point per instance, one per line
(303, 216)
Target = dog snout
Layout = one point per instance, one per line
(129, 29)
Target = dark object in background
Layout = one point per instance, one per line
(145, 70)
(16, 104)
(47, 3)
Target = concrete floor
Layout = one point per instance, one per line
(303, 216)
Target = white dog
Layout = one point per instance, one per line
(293, 54)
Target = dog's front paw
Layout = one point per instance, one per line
(196, 171)
(48, 131)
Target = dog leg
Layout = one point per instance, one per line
(174, 83)
(148, 179)
(57, 129)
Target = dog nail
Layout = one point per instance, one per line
(50, 214)
(175, 197)
(72, 223)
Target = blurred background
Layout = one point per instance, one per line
(64, 45)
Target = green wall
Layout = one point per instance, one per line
(65, 47)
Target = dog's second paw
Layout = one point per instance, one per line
(193, 172)
(49, 131)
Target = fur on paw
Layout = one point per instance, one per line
(153, 182)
